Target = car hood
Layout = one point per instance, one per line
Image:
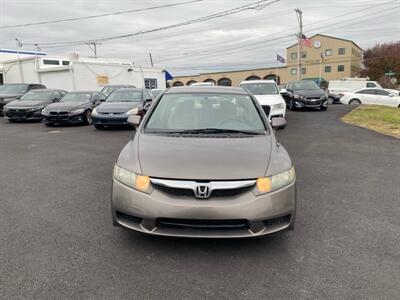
(310, 93)
(66, 106)
(204, 158)
(269, 99)
(114, 107)
(27, 103)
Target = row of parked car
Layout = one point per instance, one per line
(110, 106)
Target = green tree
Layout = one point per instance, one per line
(381, 59)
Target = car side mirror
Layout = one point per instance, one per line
(134, 120)
(55, 99)
(283, 91)
(18, 97)
(278, 123)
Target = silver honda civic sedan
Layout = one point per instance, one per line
(204, 162)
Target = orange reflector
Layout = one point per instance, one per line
(264, 184)
(142, 182)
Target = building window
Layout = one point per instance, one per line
(51, 62)
(225, 82)
(150, 83)
(177, 83)
(293, 71)
(190, 82)
(303, 54)
(303, 70)
(253, 77)
(340, 68)
(293, 55)
(212, 81)
(328, 69)
(328, 52)
(342, 51)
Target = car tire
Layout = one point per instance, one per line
(354, 102)
(323, 108)
(88, 117)
(292, 107)
(99, 126)
(11, 121)
(331, 100)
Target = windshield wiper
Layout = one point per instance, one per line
(215, 131)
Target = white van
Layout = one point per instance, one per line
(339, 87)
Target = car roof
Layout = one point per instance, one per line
(206, 89)
(82, 92)
(129, 89)
(258, 81)
(47, 90)
(117, 85)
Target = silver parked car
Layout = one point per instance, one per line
(204, 162)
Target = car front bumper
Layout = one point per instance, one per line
(310, 103)
(65, 119)
(110, 120)
(242, 215)
(23, 116)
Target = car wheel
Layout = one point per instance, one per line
(355, 102)
(331, 100)
(323, 108)
(292, 107)
(99, 126)
(88, 117)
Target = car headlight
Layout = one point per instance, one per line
(5, 108)
(324, 97)
(299, 97)
(94, 112)
(279, 106)
(268, 184)
(133, 111)
(135, 181)
(45, 112)
(77, 112)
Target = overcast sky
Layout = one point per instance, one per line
(250, 39)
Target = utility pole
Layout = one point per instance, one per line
(151, 60)
(299, 15)
(37, 49)
(93, 47)
(21, 74)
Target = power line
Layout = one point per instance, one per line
(100, 15)
(261, 4)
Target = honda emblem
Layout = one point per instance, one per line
(202, 191)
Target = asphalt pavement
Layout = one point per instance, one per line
(57, 240)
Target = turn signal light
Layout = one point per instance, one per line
(264, 184)
(142, 182)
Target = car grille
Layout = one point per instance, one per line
(178, 192)
(17, 112)
(202, 224)
(59, 113)
(111, 113)
(266, 109)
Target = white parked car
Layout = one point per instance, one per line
(371, 96)
(267, 94)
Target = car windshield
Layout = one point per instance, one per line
(197, 113)
(76, 97)
(305, 85)
(125, 96)
(13, 88)
(36, 95)
(261, 88)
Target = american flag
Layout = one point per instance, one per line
(305, 41)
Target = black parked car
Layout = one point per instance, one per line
(108, 89)
(119, 105)
(13, 91)
(74, 107)
(305, 93)
(29, 106)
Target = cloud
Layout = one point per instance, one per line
(230, 42)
